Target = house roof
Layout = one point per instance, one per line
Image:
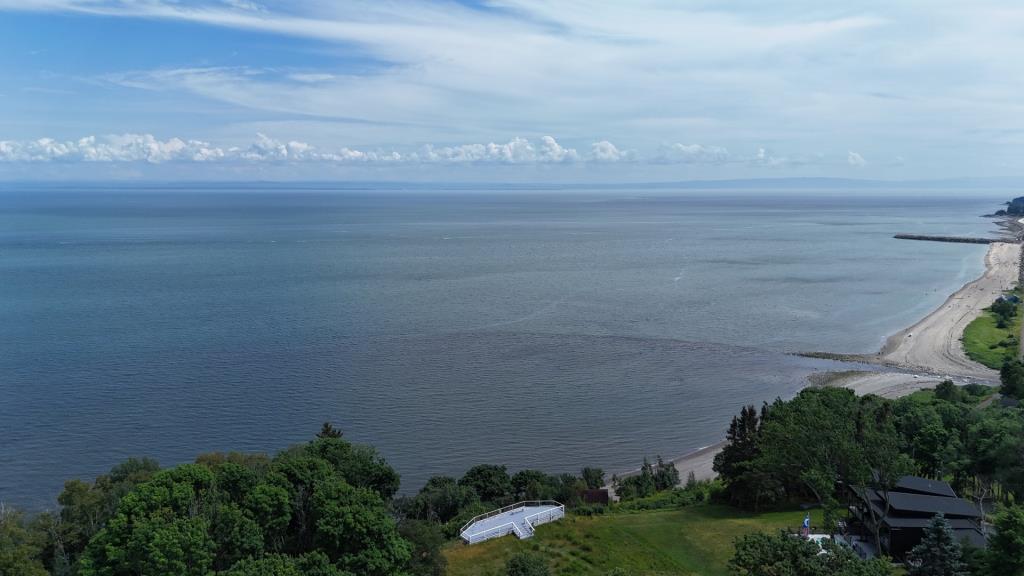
(902, 502)
(924, 486)
(955, 523)
(972, 536)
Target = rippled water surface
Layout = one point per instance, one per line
(546, 329)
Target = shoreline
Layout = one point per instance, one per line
(917, 357)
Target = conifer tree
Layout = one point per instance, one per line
(938, 554)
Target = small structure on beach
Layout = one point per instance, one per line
(520, 519)
(902, 513)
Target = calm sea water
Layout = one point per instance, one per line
(530, 328)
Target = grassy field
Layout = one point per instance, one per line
(989, 345)
(696, 540)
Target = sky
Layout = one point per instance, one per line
(510, 90)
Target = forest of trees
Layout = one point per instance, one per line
(331, 508)
(810, 447)
(324, 508)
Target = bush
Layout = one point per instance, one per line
(527, 565)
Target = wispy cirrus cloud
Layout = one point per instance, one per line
(694, 87)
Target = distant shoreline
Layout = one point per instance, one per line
(917, 357)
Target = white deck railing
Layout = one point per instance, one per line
(556, 511)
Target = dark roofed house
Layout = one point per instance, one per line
(918, 485)
(912, 503)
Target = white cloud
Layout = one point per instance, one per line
(112, 148)
(411, 71)
(605, 151)
(692, 154)
(855, 159)
(147, 148)
(515, 151)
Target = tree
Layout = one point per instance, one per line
(810, 443)
(950, 392)
(157, 529)
(86, 507)
(440, 500)
(526, 565)
(320, 509)
(1011, 376)
(312, 564)
(355, 530)
(938, 554)
(20, 547)
(491, 483)
(360, 465)
(746, 484)
(329, 431)
(783, 554)
(1006, 548)
(593, 477)
(532, 485)
(883, 464)
(426, 539)
(666, 475)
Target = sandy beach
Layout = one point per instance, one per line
(933, 344)
(916, 358)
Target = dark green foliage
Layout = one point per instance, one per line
(358, 465)
(1004, 309)
(527, 565)
(746, 485)
(1006, 549)
(426, 539)
(352, 526)
(20, 546)
(490, 482)
(85, 508)
(692, 493)
(1011, 376)
(1015, 206)
(328, 431)
(593, 477)
(665, 475)
(321, 509)
(950, 392)
(938, 554)
(440, 500)
(652, 478)
(312, 564)
(530, 485)
(783, 554)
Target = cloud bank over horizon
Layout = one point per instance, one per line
(613, 89)
(147, 148)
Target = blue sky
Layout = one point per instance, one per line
(509, 89)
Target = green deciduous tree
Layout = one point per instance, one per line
(426, 539)
(1011, 377)
(355, 530)
(440, 500)
(782, 554)
(1006, 549)
(491, 483)
(20, 547)
(593, 477)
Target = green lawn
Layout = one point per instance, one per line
(989, 345)
(696, 540)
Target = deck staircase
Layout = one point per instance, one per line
(521, 519)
